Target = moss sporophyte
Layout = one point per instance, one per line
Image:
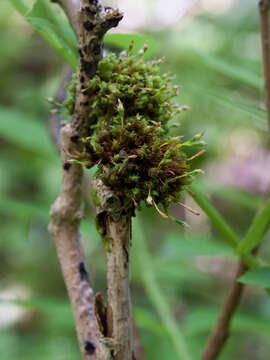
(128, 131)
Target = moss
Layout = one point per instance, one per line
(95, 197)
(71, 94)
(128, 123)
(101, 228)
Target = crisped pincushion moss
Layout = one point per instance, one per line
(128, 128)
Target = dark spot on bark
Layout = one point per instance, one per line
(93, 2)
(89, 347)
(85, 49)
(86, 103)
(80, 52)
(88, 26)
(89, 68)
(91, 14)
(127, 257)
(82, 79)
(86, 92)
(83, 272)
(74, 138)
(66, 166)
(97, 49)
(110, 23)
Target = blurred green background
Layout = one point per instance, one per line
(213, 48)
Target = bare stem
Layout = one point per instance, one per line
(220, 332)
(114, 225)
(264, 6)
(66, 214)
(119, 316)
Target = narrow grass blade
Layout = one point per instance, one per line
(155, 294)
(256, 231)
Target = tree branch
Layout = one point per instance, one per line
(220, 332)
(114, 225)
(264, 6)
(119, 315)
(66, 212)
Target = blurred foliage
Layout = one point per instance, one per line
(216, 58)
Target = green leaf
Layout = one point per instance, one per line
(146, 320)
(235, 72)
(260, 277)
(19, 6)
(253, 111)
(256, 231)
(222, 226)
(23, 209)
(231, 194)
(41, 303)
(223, 98)
(123, 41)
(202, 319)
(215, 217)
(177, 245)
(53, 27)
(25, 131)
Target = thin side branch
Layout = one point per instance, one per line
(264, 6)
(220, 332)
(66, 212)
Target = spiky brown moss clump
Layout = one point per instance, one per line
(128, 128)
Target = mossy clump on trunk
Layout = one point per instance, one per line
(128, 130)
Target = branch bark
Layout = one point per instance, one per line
(66, 213)
(119, 315)
(114, 225)
(220, 332)
(264, 6)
